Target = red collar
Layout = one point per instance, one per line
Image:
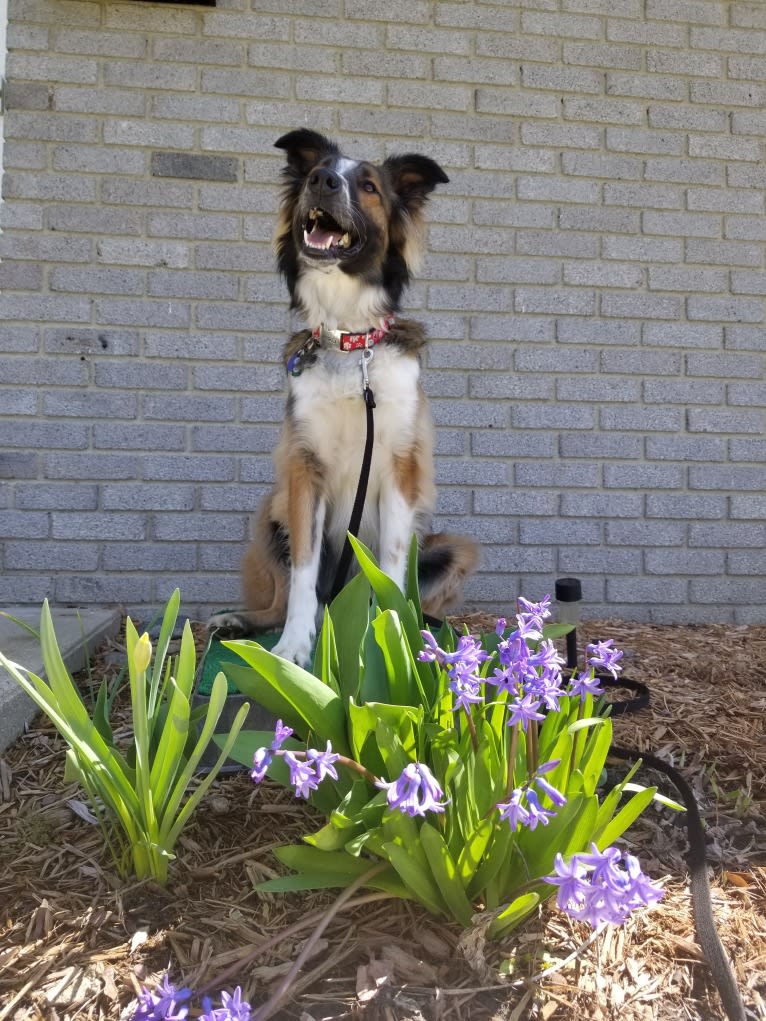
(354, 341)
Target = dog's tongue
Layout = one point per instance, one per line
(319, 238)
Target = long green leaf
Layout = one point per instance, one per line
(170, 749)
(473, 851)
(624, 818)
(350, 613)
(170, 836)
(390, 597)
(214, 710)
(416, 877)
(169, 619)
(519, 909)
(326, 655)
(312, 861)
(390, 637)
(445, 874)
(287, 690)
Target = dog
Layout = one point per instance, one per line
(348, 238)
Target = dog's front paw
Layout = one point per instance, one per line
(229, 624)
(295, 647)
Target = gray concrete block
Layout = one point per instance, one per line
(79, 633)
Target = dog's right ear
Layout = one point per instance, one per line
(305, 148)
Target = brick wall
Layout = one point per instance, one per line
(594, 289)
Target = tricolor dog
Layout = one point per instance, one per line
(347, 241)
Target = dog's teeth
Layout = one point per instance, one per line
(345, 241)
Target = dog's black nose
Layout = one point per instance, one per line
(324, 178)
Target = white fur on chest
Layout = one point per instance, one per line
(339, 300)
(330, 416)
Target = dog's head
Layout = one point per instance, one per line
(349, 216)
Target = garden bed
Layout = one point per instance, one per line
(78, 942)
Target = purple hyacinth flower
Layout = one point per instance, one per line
(415, 792)
(281, 733)
(570, 878)
(467, 692)
(537, 814)
(166, 1003)
(512, 811)
(468, 657)
(323, 762)
(432, 652)
(586, 683)
(643, 892)
(557, 798)
(603, 863)
(602, 656)
(542, 610)
(522, 710)
(302, 776)
(233, 1008)
(261, 762)
(595, 889)
(236, 1009)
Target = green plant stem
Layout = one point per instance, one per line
(344, 760)
(532, 747)
(472, 730)
(512, 761)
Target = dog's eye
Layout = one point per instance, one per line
(368, 186)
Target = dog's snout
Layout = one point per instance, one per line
(324, 179)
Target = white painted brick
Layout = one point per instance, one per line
(594, 285)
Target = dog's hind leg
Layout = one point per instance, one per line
(399, 499)
(306, 508)
(265, 575)
(445, 562)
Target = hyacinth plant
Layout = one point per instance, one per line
(141, 793)
(468, 766)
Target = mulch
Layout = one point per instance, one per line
(78, 942)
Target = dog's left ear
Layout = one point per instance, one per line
(413, 178)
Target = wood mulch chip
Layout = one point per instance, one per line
(78, 942)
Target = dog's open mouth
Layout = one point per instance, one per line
(324, 237)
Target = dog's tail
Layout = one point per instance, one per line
(445, 561)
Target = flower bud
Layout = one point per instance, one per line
(142, 655)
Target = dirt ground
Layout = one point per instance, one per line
(77, 942)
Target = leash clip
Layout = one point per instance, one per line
(364, 361)
(367, 394)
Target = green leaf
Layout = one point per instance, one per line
(624, 818)
(445, 874)
(391, 639)
(412, 587)
(591, 762)
(166, 632)
(326, 655)
(374, 683)
(389, 597)
(290, 692)
(101, 714)
(350, 614)
(473, 850)
(170, 750)
(416, 878)
(329, 864)
(499, 846)
(519, 909)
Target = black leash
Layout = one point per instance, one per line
(696, 858)
(699, 884)
(361, 490)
